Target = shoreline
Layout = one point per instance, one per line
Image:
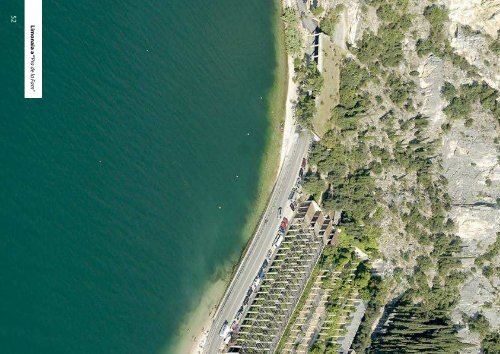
(193, 332)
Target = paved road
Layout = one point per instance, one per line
(261, 243)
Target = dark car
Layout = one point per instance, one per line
(292, 206)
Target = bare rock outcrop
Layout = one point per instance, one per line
(474, 48)
(431, 81)
(470, 162)
(482, 15)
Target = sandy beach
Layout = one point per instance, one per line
(290, 124)
(193, 334)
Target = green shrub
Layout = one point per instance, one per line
(460, 106)
(491, 343)
(437, 16)
(317, 11)
(309, 82)
(494, 46)
(400, 90)
(385, 47)
(330, 19)
(352, 103)
(293, 37)
(314, 185)
(448, 90)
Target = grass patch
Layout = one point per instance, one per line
(329, 96)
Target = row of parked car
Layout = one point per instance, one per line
(298, 183)
(227, 329)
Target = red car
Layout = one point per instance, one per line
(284, 223)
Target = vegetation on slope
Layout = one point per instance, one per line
(309, 82)
(353, 102)
(349, 163)
(347, 277)
(461, 101)
(385, 47)
(293, 37)
(383, 172)
(437, 16)
(490, 339)
(420, 319)
(330, 19)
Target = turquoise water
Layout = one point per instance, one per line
(111, 184)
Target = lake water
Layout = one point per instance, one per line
(119, 196)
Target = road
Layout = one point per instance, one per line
(260, 244)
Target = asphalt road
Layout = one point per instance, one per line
(261, 243)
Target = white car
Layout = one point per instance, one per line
(225, 329)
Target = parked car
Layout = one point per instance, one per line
(280, 209)
(284, 223)
(279, 240)
(261, 274)
(225, 329)
(304, 162)
(301, 172)
(292, 206)
(239, 313)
